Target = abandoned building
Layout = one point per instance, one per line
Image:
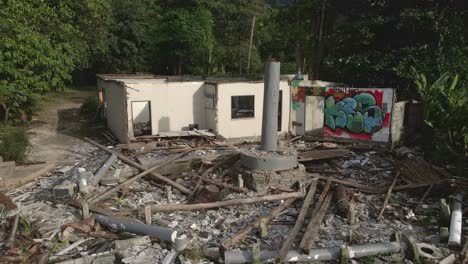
(137, 105)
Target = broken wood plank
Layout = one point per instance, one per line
(426, 193)
(224, 185)
(204, 177)
(226, 244)
(342, 204)
(11, 240)
(322, 154)
(361, 188)
(387, 197)
(201, 206)
(135, 178)
(299, 222)
(308, 240)
(132, 163)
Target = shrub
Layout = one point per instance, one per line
(13, 142)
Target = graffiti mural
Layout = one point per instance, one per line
(358, 113)
(299, 94)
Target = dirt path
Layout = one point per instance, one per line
(57, 127)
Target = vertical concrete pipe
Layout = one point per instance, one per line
(456, 223)
(270, 107)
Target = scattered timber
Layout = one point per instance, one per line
(223, 185)
(204, 176)
(342, 204)
(11, 240)
(387, 197)
(132, 163)
(314, 225)
(322, 154)
(195, 207)
(350, 184)
(226, 244)
(136, 177)
(299, 222)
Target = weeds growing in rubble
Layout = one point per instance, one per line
(27, 227)
(13, 142)
(195, 253)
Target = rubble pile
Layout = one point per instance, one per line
(185, 200)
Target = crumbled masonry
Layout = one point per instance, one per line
(355, 184)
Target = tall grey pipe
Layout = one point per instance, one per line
(161, 233)
(270, 107)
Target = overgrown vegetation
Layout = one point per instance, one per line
(47, 44)
(13, 142)
(445, 105)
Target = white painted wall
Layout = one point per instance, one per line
(211, 112)
(116, 110)
(247, 127)
(313, 124)
(174, 105)
(397, 123)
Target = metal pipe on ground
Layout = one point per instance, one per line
(161, 233)
(104, 168)
(407, 245)
(269, 140)
(456, 223)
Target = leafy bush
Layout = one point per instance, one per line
(90, 107)
(445, 111)
(13, 142)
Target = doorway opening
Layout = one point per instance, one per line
(141, 117)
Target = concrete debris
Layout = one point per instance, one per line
(234, 207)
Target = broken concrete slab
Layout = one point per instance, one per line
(121, 245)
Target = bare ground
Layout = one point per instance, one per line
(58, 126)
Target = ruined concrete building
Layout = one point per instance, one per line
(137, 105)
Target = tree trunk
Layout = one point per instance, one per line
(6, 110)
(179, 66)
(320, 45)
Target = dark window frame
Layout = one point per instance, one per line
(242, 110)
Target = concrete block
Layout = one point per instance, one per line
(64, 190)
(121, 245)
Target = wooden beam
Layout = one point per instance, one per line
(299, 222)
(387, 196)
(201, 206)
(314, 225)
(226, 244)
(132, 163)
(135, 178)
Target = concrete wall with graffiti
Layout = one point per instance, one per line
(307, 107)
(358, 113)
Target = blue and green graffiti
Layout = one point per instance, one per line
(357, 114)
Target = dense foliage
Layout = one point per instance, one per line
(44, 43)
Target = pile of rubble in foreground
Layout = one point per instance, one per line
(181, 201)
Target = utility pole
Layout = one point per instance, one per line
(250, 45)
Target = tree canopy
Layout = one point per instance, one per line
(46, 44)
